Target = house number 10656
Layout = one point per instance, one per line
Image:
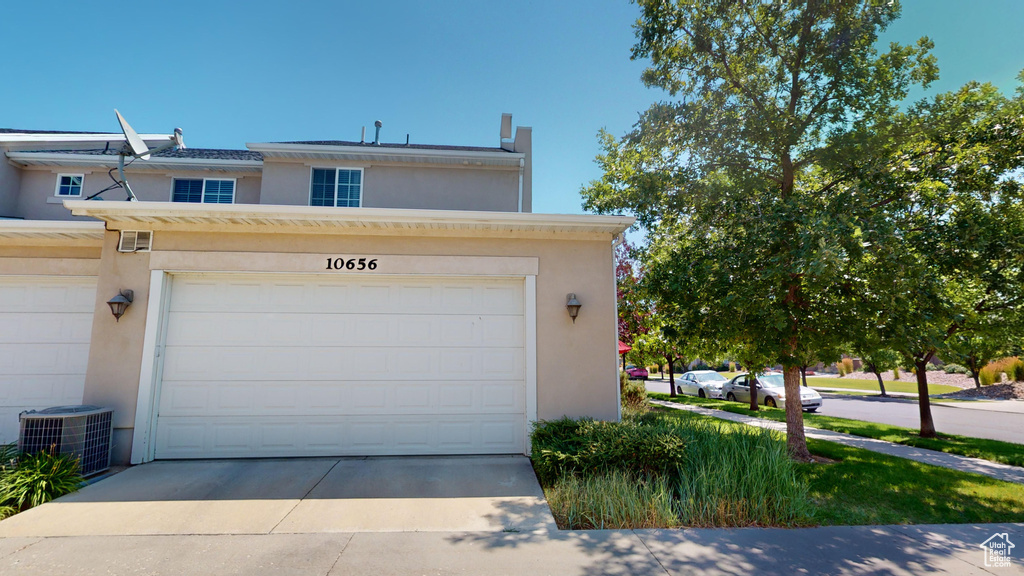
(351, 264)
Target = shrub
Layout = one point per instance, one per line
(623, 381)
(1018, 371)
(988, 376)
(932, 367)
(730, 476)
(732, 366)
(37, 479)
(589, 447)
(738, 476)
(955, 369)
(1003, 366)
(634, 398)
(613, 500)
(847, 366)
(896, 373)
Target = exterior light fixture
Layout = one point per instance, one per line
(118, 304)
(573, 306)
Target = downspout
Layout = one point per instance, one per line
(615, 289)
(522, 167)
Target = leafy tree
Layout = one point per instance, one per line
(808, 358)
(949, 258)
(880, 360)
(745, 182)
(664, 341)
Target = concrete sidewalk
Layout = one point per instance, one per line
(953, 461)
(896, 550)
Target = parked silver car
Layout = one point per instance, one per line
(771, 391)
(703, 383)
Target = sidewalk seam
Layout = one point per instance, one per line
(338, 559)
(651, 552)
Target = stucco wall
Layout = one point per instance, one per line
(10, 183)
(36, 199)
(575, 362)
(390, 186)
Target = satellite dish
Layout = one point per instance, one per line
(135, 144)
(135, 147)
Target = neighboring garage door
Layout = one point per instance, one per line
(45, 327)
(308, 365)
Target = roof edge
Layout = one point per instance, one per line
(319, 219)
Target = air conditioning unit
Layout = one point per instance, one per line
(84, 431)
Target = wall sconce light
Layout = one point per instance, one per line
(118, 304)
(573, 306)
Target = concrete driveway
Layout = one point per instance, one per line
(299, 496)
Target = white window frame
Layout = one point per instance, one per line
(81, 189)
(202, 199)
(362, 182)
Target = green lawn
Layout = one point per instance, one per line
(890, 385)
(994, 450)
(865, 488)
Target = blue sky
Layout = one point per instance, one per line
(230, 73)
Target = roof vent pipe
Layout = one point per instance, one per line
(362, 137)
(376, 137)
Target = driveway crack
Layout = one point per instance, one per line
(306, 495)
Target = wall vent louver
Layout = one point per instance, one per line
(135, 241)
(84, 431)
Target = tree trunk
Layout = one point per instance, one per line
(977, 381)
(923, 402)
(881, 385)
(623, 362)
(795, 416)
(671, 378)
(753, 394)
(803, 376)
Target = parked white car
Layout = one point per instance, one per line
(702, 383)
(771, 391)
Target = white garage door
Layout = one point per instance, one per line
(285, 365)
(45, 327)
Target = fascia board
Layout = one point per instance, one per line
(321, 150)
(29, 158)
(155, 212)
(29, 138)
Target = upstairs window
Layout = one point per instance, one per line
(207, 191)
(69, 185)
(336, 187)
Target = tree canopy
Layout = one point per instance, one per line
(746, 181)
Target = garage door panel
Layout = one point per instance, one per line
(298, 398)
(45, 327)
(323, 436)
(308, 365)
(40, 390)
(221, 293)
(198, 363)
(302, 329)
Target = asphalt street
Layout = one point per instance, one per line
(949, 419)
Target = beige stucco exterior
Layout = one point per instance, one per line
(389, 185)
(37, 200)
(575, 362)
